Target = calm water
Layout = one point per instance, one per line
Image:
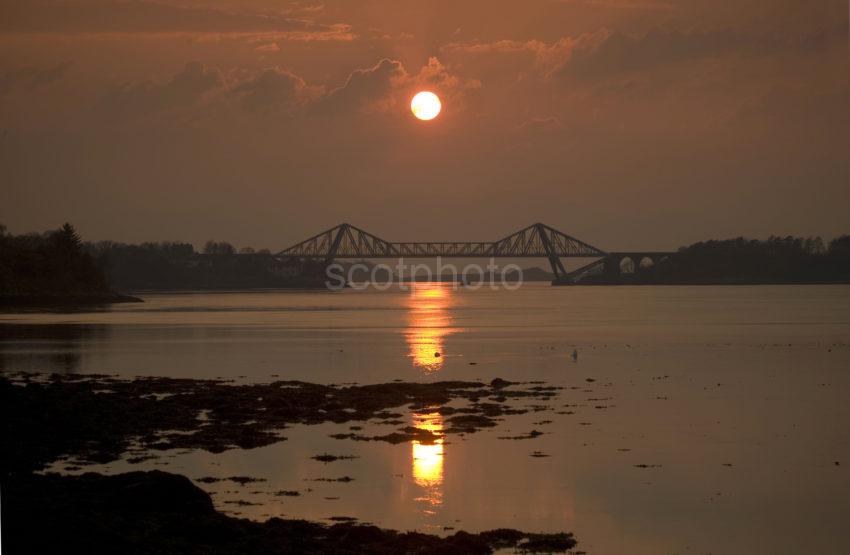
(738, 394)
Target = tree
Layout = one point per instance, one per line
(840, 246)
(814, 246)
(223, 248)
(53, 263)
(67, 241)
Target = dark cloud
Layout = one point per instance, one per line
(274, 88)
(135, 16)
(387, 84)
(436, 75)
(608, 52)
(364, 88)
(625, 4)
(32, 78)
(183, 90)
(280, 91)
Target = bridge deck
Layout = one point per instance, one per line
(535, 241)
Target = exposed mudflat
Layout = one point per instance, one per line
(97, 419)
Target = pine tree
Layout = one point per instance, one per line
(68, 240)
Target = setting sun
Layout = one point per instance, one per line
(426, 105)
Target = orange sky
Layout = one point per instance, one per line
(632, 124)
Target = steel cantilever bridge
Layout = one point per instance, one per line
(535, 241)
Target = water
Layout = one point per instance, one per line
(738, 394)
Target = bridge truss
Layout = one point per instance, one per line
(535, 241)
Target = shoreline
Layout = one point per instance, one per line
(160, 512)
(82, 419)
(697, 283)
(61, 300)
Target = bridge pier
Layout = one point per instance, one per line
(618, 268)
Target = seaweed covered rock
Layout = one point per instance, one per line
(158, 512)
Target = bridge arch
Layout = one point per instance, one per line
(646, 263)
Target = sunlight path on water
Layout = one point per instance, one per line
(429, 322)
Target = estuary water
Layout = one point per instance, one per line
(692, 419)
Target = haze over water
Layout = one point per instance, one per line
(734, 399)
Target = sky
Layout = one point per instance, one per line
(630, 124)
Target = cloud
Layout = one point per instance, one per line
(303, 9)
(268, 47)
(452, 88)
(183, 90)
(338, 32)
(32, 78)
(541, 125)
(436, 75)
(368, 89)
(385, 85)
(274, 88)
(606, 52)
(142, 16)
(531, 54)
(625, 4)
(376, 89)
(610, 52)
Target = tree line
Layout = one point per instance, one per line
(177, 265)
(775, 260)
(49, 263)
(58, 262)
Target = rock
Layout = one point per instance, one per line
(157, 512)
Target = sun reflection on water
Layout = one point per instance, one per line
(427, 460)
(428, 324)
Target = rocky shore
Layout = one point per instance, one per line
(158, 512)
(91, 419)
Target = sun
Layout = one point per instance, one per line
(426, 105)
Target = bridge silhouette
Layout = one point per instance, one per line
(535, 241)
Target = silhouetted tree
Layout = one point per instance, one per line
(840, 246)
(50, 264)
(814, 245)
(223, 248)
(67, 241)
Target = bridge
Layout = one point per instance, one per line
(535, 241)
